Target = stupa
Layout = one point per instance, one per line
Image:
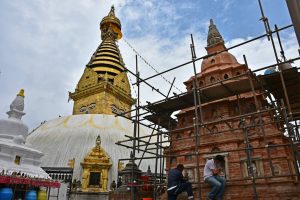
(102, 91)
(15, 155)
(21, 175)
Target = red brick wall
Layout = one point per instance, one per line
(232, 142)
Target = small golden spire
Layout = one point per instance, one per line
(120, 166)
(98, 141)
(21, 93)
(71, 163)
(112, 11)
(111, 23)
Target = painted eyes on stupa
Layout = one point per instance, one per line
(82, 109)
(92, 106)
(117, 110)
(85, 109)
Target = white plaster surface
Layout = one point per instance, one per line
(73, 136)
(13, 133)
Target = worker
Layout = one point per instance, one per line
(214, 175)
(178, 184)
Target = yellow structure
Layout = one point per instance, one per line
(95, 170)
(104, 87)
(21, 93)
(71, 163)
(102, 90)
(42, 195)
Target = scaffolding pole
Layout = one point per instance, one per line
(199, 125)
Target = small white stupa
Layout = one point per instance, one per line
(15, 156)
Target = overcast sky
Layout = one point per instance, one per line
(45, 45)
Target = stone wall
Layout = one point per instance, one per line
(89, 196)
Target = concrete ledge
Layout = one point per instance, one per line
(89, 195)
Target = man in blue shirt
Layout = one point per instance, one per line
(177, 184)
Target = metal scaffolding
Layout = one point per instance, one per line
(280, 88)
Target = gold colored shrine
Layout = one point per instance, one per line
(104, 87)
(95, 169)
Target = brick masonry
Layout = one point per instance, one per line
(230, 138)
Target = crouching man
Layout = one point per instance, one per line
(177, 184)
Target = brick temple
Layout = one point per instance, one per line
(243, 127)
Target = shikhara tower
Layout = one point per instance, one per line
(104, 87)
(252, 141)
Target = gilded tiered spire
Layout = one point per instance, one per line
(104, 87)
(107, 58)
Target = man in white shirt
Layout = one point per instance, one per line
(213, 176)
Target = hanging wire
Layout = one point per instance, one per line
(133, 88)
(147, 63)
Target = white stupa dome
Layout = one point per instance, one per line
(65, 138)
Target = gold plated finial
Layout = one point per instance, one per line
(112, 11)
(111, 22)
(98, 141)
(21, 93)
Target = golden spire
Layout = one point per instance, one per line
(104, 87)
(98, 141)
(21, 93)
(111, 23)
(107, 58)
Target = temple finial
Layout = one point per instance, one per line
(131, 155)
(98, 141)
(214, 37)
(21, 93)
(110, 26)
(112, 11)
(17, 106)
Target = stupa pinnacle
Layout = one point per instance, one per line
(17, 106)
(107, 58)
(104, 87)
(214, 37)
(215, 42)
(16, 156)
